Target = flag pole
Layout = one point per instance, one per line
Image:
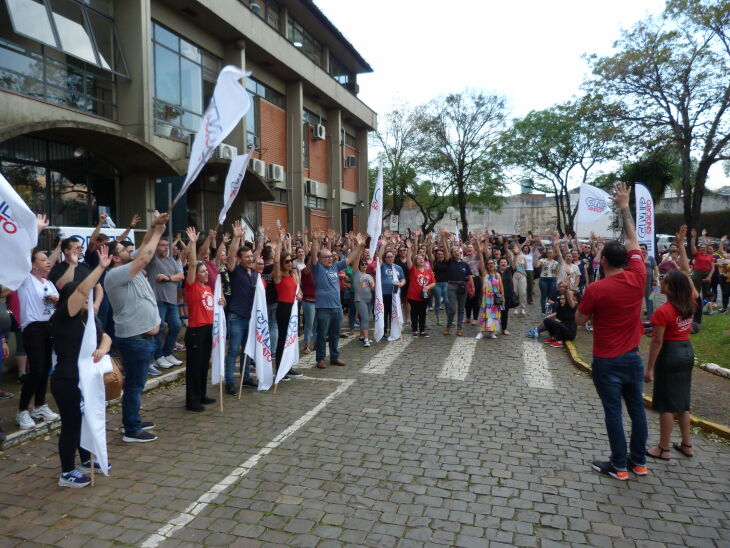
(240, 386)
(91, 462)
(276, 386)
(220, 392)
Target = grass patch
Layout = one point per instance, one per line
(712, 342)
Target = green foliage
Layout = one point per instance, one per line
(716, 222)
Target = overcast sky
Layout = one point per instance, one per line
(530, 51)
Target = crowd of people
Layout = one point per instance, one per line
(143, 297)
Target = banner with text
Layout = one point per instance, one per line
(18, 236)
(645, 226)
(234, 181)
(375, 219)
(593, 203)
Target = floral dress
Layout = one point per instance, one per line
(489, 313)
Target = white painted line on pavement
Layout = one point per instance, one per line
(536, 372)
(458, 362)
(189, 514)
(381, 362)
(307, 361)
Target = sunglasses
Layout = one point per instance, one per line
(287, 261)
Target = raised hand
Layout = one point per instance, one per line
(102, 218)
(682, 234)
(212, 233)
(237, 229)
(226, 239)
(42, 221)
(693, 232)
(104, 258)
(704, 233)
(360, 239)
(134, 221)
(192, 234)
(621, 196)
(409, 244)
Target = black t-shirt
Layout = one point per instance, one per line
(457, 270)
(566, 315)
(58, 270)
(271, 295)
(67, 333)
(441, 271)
(404, 267)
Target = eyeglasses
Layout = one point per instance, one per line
(287, 261)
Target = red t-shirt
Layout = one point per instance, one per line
(615, 303)
(200, 304)
(676, 328)
(703, 261)
(286, 290)
(418, 281)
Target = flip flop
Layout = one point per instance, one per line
(659, 456)
(681, 448)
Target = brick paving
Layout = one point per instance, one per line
(400, 457)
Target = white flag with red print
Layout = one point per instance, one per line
(18, 236)
(258, 344)
(379, 308)
(375, 219)
(218, 354)
(396, 314)
(290, 354)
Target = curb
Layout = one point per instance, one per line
(715, 428)
(47, 427)
(715, 369)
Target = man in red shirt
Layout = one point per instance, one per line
(613, 305)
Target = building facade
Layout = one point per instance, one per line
(99, 98)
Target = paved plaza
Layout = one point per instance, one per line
(420, 442)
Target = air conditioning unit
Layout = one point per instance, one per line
(258, 167)
(312, 187)
(256, 8)
(351, 161)
(275, 173)
(320, 132)
(225, 152)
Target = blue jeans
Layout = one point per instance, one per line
(309, 315)
(351, 315)
(547, 286)
(237, 334)
(136, 355)
(440, 294)
(614, 378)
(329, 321)
(273, 328)
(168, 315)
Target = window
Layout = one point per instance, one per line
(314, 202)
(350, 140)
(82, 29)
(340, 72)
(185, 78)
(306, 43)
(268, 10)
(257, 89)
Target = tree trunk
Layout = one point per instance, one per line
(461, 199)
(557, 209)
(699, 191)
(686, 181)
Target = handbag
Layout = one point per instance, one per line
(498, 299)
(113, 381)
(470, 290)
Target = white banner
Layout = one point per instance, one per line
(234, 180)
(218, 353)
(396, 314)
(229, 104)
(93, 396)
(83, 234)
(290, 355)
(375, 219)
(394, 223)
(258, 344)
(18, 236)
(379, 308)
(645, 227)
(593, 203)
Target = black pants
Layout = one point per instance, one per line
(559, 330)
(530, 282)
(283, 311)
(418, 315)
(388, 304)
(199, 343)
(68, 398)
(504, 318)
(37, 342)
(474, 303)
(725, 287)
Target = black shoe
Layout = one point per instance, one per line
(196, 408)
(147, 425)
(21, 378)
(250, 383)
(285, 378)
(140, 437)
(207, 400)
(2, 436)
(294, 373)
(610, 470)
(231, 389)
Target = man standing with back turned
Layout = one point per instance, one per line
(613, 304)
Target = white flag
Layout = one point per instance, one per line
(379, 308)
(375, 219)
(229, 104)
(258, 344)
(593, 203)
(396, 314)
(18, 236)
(290, 355)
(234, 180)
(93, 396)
(645, 226)
(218, 354)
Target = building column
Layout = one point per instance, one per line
(295, 171)
(334, 199)
(363, 178)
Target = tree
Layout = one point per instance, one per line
(460, 132)
(560, 146)
(432, 201)
(669, 85)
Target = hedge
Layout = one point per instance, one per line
(717, 223)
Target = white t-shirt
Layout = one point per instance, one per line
(569, 273)
(32, 296)
(528, 261)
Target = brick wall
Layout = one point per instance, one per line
(319, 159)
(271, 212)
(272, 125)
(318, 220)
(349, 179)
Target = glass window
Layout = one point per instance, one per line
(190, 51)
(107, 43)
(166, 38)
(301, 39)
(252, 119)
(350, 140)
(104, 6)
(191, 85)
(30, 18)
(75, 37)
(167, 75)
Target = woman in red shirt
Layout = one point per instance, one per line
(422, 281)
(199, 333)
(671, 360)
(286, 283)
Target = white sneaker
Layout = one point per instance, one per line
(366, 343)
(162, 363)
(173, 360)
(44, 412)
(23, 420)
(479, 336)
(492, 335)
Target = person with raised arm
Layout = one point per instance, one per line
(422, 282)
(613, 304)
(68, 324)
(136, 322)
(285, 279)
